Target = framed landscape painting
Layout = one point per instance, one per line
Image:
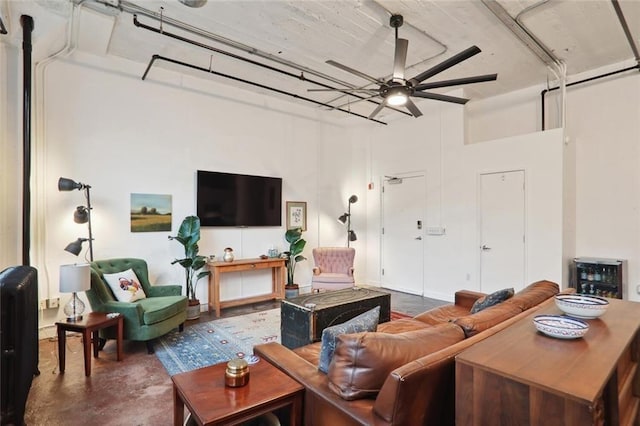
(297, 215)
(150, 212)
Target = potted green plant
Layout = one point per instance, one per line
(188, 236)
(293, 256)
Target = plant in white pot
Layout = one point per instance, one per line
(293, 256)
(188, 236)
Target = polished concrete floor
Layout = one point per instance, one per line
(135, 391)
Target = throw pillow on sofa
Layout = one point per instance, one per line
(363, 361)
(492, 299)
(367, 321)
(480, 321)
(125, 286)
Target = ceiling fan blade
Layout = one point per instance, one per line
(439, 97)
(456, 82)
(352, 71)
(346, 89)
(378, 109)
(413, 108)
(400, 58)
(446, 64)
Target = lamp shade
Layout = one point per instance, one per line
(343, 219)
(65, 184)
(74, 278)
(353, 199)
(352, 236)
(76, 246)
(81, 215)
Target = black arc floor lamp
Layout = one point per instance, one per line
(346, 219)
(82, 214)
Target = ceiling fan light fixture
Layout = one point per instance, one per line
(397, 96)
(397, 99)
(193, 3)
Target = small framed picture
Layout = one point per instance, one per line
(297, 215)
(150, 212)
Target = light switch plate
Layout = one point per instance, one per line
(435, 230)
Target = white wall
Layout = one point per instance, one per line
(10, 159)
(103, 126)
(434, 144)
(106, 127)
(602, 159)
(603, 120)
(512, 114)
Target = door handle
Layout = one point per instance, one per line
(417, 238)
(485, 248)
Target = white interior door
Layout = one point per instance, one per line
(403, 211)
(502, 230)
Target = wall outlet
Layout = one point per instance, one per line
(43, 304)
(53, 303)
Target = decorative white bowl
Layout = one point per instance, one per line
(582, 305)
(560, 327)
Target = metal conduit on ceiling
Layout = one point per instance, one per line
(632, 45)
(131, 8)
(301, 77)
(253, 83)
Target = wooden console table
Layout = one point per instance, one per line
(522, 377)
(277, 266)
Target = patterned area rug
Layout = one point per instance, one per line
(216, 341)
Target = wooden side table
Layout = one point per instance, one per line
(212, 403)
(89, 326)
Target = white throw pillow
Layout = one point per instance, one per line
(125, 286)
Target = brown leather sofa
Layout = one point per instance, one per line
(404, 373)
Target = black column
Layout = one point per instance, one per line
(27, 28)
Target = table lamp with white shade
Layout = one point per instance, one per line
(74, 278)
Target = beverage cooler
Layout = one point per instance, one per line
(599, 276)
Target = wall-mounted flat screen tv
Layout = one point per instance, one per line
(228, 199)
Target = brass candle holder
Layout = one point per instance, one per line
(237, 373)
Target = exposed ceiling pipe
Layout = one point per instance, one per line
(627, 31)
(242, 58)
(553, 63)
(586, 80)
(41, 154)
(253, 83)
(132, 8)
(520, 31)
(558, 67)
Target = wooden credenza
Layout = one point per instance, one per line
(521, 377)
(277, 266)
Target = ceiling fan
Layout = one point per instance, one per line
(398, 90)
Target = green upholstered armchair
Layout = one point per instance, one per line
(162, 310)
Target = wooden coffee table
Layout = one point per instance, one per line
(212, 403)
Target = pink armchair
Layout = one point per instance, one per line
(334, 268)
